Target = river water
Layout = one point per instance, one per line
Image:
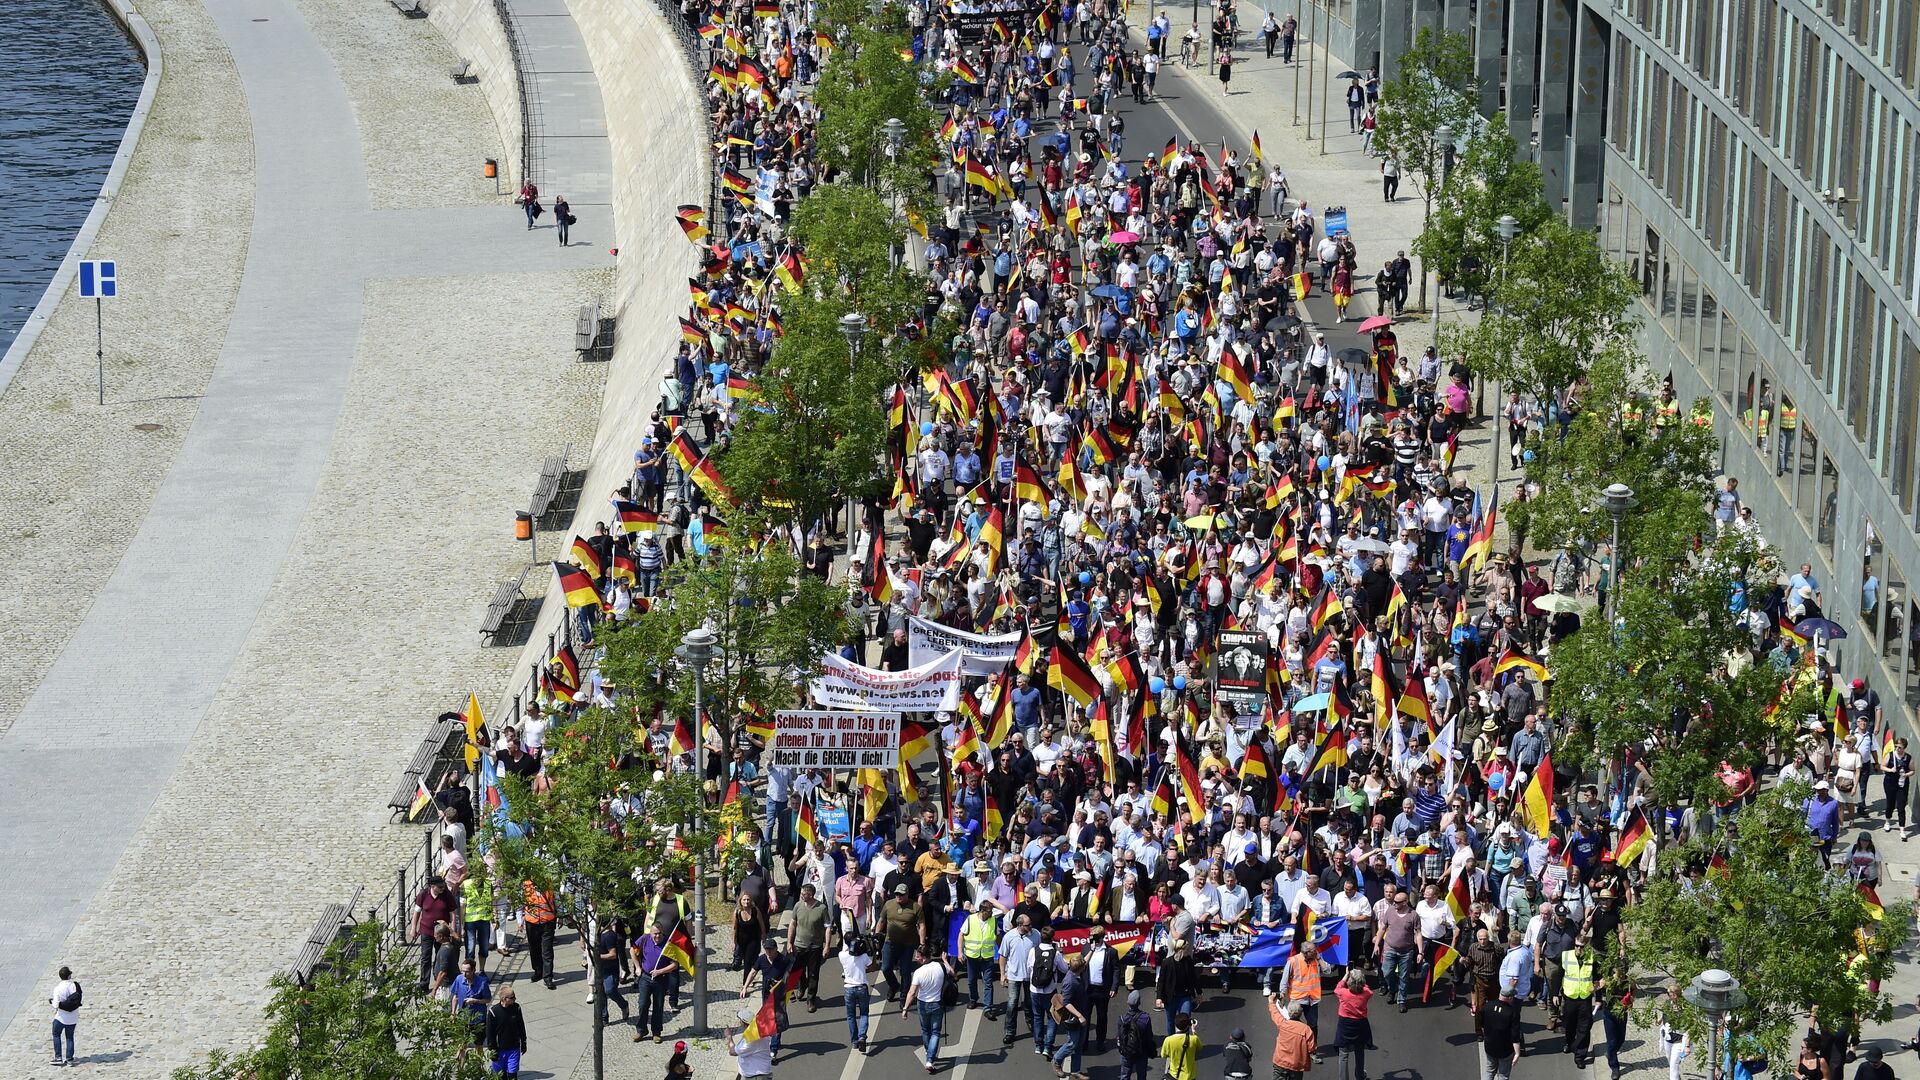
(68, 81)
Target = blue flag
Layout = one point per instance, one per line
(1330, 937)
(1269, 948)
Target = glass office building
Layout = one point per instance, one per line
(1757, 164)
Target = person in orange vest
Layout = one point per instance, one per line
(1303, 989)
(537, 915)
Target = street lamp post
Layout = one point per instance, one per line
(1618, 499)
(853, 326)
(1509, 227)
(896, 136)
(697, 649)
(1717, 994)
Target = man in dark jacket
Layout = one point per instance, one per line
(506, 1037)
(1103, 978)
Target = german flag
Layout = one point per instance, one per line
(1325, 608)
(1514, 659)
(1026, 483)
(1156, 592)
(766, 9)
(577, 585)
(1255, 763)
(1026, 655)
(766, 1022)
(1171, 152)
(995, 820)
(1100, 726)
(693, 222)
(1413, 701)
(964, 70)
(585, 558)
(1460, 898)
(422, 798)
(1279, 491)
(823, 39)
(1073, 212)
(565, 668)
(1333, 749)
(978, 175)
(1069, 674)
(909, 785)
(679, 948)
(879, 577)
(1796, 639)
(1232, 370)
(1128, 675)
(1886, 746)
(1257, 155)
(1163, 796)
(792, 271)
(803, 826)
(691, 333)
(991, 538)
(1443, 957)
(735, 182)
(1000, 711)
(1302, 286)
(758, 726)
(1480, 546)
(625, 570)
(680, 741)
(1189, 778)
(1536, 802)
(709, 31)
(633, 519)
(751, 74)
(1383, 694)
(915, 739)
(1870, 898)
(698, 467)
(1633, 839)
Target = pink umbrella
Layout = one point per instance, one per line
(1378, 322)
(1125, 237)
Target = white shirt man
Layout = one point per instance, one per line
(1436, 919)
(1311, 897)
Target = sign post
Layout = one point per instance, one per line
(97, 283)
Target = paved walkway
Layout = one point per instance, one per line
(101, 737)
(575, 159)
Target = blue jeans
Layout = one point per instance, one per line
(1040, 1019)
(858, 999)
(651, 1011)
(1070, 1050)
(610, 992)
(58, 1029)
(479, 935)
(896, 963)
(930, 1017)
(1396, 973)
(1176, 1007)
(979, 971)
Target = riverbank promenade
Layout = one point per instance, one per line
(242, 588)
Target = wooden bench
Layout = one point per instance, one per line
(504, 613)
(586, 329)
(553, 477)
(412, 9)
(427, 765)
(331, 926)
(463, 73)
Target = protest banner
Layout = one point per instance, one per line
(843, 684)
(804, 739)
(980, 654)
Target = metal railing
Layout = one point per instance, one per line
(531, 126)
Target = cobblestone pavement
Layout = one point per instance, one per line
(305, 594)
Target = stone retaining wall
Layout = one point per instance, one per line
(474, 31)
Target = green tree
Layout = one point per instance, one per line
(1558, 306)
(361, 1015)
(1771, 913)
(862, 86)
(1665, 667)
(1435, 86)
(1490, 179)
(771, 623)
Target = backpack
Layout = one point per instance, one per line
(1043, 957)
(72, 1001)
(1136, 1036)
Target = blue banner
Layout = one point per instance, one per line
(1274, 947)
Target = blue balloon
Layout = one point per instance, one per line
(1157, 684)
(1086, 577)
(1526, 455)
(926, 429)
(1325, 462)
(1179, 682)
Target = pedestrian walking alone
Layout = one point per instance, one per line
(506, 1034)
(1356, 106)
(1287, 31)
(1390, 177)
(563, 217)
(1226, 72)
(66, 1002)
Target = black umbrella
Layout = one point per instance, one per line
(1350, 74)
(1280, 324)
(1353, 356)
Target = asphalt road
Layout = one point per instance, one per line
(1429, 1042)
